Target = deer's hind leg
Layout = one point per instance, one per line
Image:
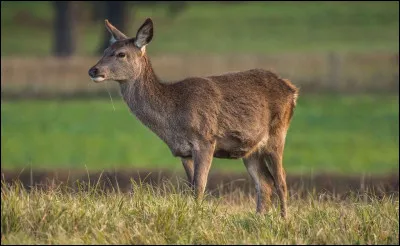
(273, 156)
(262, 179)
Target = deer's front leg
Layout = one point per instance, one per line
(202, 157)
(188, 165)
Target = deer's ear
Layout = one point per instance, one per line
(144, 34)
(116, 34)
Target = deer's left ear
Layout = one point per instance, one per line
(116, 34)
(144, 34)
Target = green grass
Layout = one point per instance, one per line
(253, 27)
(151, 215)
(345, 134)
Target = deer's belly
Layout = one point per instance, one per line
(236, 152)
(226, 148)
(185, 151)
(233, 147)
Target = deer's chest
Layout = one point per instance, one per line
(157, 123)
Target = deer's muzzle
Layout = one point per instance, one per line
(95, 75)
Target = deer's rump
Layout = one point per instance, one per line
(253, 104)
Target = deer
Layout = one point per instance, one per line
(238, 115)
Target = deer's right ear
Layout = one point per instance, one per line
(144, 34)
(116, 34)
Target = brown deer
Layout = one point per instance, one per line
(235, 115)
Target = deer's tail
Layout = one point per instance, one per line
(293, 100)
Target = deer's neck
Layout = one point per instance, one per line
(147, 97)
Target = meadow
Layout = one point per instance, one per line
(348, 134)
(341, 153)
(165, 215)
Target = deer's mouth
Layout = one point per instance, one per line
(98, 78)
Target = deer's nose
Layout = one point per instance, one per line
(93, 72)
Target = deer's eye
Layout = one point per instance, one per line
(121, 55)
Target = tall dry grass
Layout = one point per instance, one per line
(165, 215)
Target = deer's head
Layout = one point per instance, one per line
(122, 60)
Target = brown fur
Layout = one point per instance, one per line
(234, 115)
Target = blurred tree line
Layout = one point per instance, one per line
(116, 12)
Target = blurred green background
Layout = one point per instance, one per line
(342, 55)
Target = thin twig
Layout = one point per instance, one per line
(109, 95)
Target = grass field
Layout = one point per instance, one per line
(151, 215)
(255, 27)
(344, 134)
(335, 134)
